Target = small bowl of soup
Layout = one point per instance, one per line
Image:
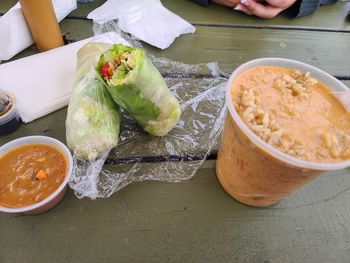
(34, 172)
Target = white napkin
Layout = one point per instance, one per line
(147, 20)
(14, 32)
(43, 83)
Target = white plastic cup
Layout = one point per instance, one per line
(252, 171)
(53, 199)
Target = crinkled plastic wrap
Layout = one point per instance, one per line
(93, 119)
(147, 20)
(172, 158)
(200, 90)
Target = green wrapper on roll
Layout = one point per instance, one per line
(93, 119)
(137, 86)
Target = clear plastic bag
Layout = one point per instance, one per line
(177, 156)
(148, 20)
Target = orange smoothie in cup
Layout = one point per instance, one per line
(291, 112)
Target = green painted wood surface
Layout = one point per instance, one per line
(331, 17)
(234, 46)
(193, 221)
(196, 221)
(229, 46)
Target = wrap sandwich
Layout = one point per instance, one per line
(93, 119)
(137, 86)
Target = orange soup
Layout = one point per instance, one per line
(30, 173)
(293, 112)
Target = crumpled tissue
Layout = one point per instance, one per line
(14, 32)
(147, 20)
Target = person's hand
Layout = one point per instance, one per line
(229, 3)
(266, 9)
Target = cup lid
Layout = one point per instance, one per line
(8, 107)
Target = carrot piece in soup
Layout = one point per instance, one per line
(41, 175)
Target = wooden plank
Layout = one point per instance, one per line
(234, 46)
(229, 46)
(52, 125)
(330, 17)
(192, 221)
(6, 5)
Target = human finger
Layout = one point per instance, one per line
(243, 9)
(260, 10)
(229, 3)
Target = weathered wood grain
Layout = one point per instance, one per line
(196, 221)
(234, 46)
(193, 221)
(329, 17)
(332, 17)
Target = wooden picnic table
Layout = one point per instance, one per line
(195, 220)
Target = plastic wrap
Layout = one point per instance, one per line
(200, 90)
(93, 119)
(148, 20)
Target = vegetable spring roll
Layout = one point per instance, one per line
(137, 86)
(93, 119)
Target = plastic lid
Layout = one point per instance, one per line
(8, 107)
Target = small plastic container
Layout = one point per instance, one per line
(252, 171)
(53, 199)
(9, 117)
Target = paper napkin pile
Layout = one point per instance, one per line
(44, 82)
(14, 32)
